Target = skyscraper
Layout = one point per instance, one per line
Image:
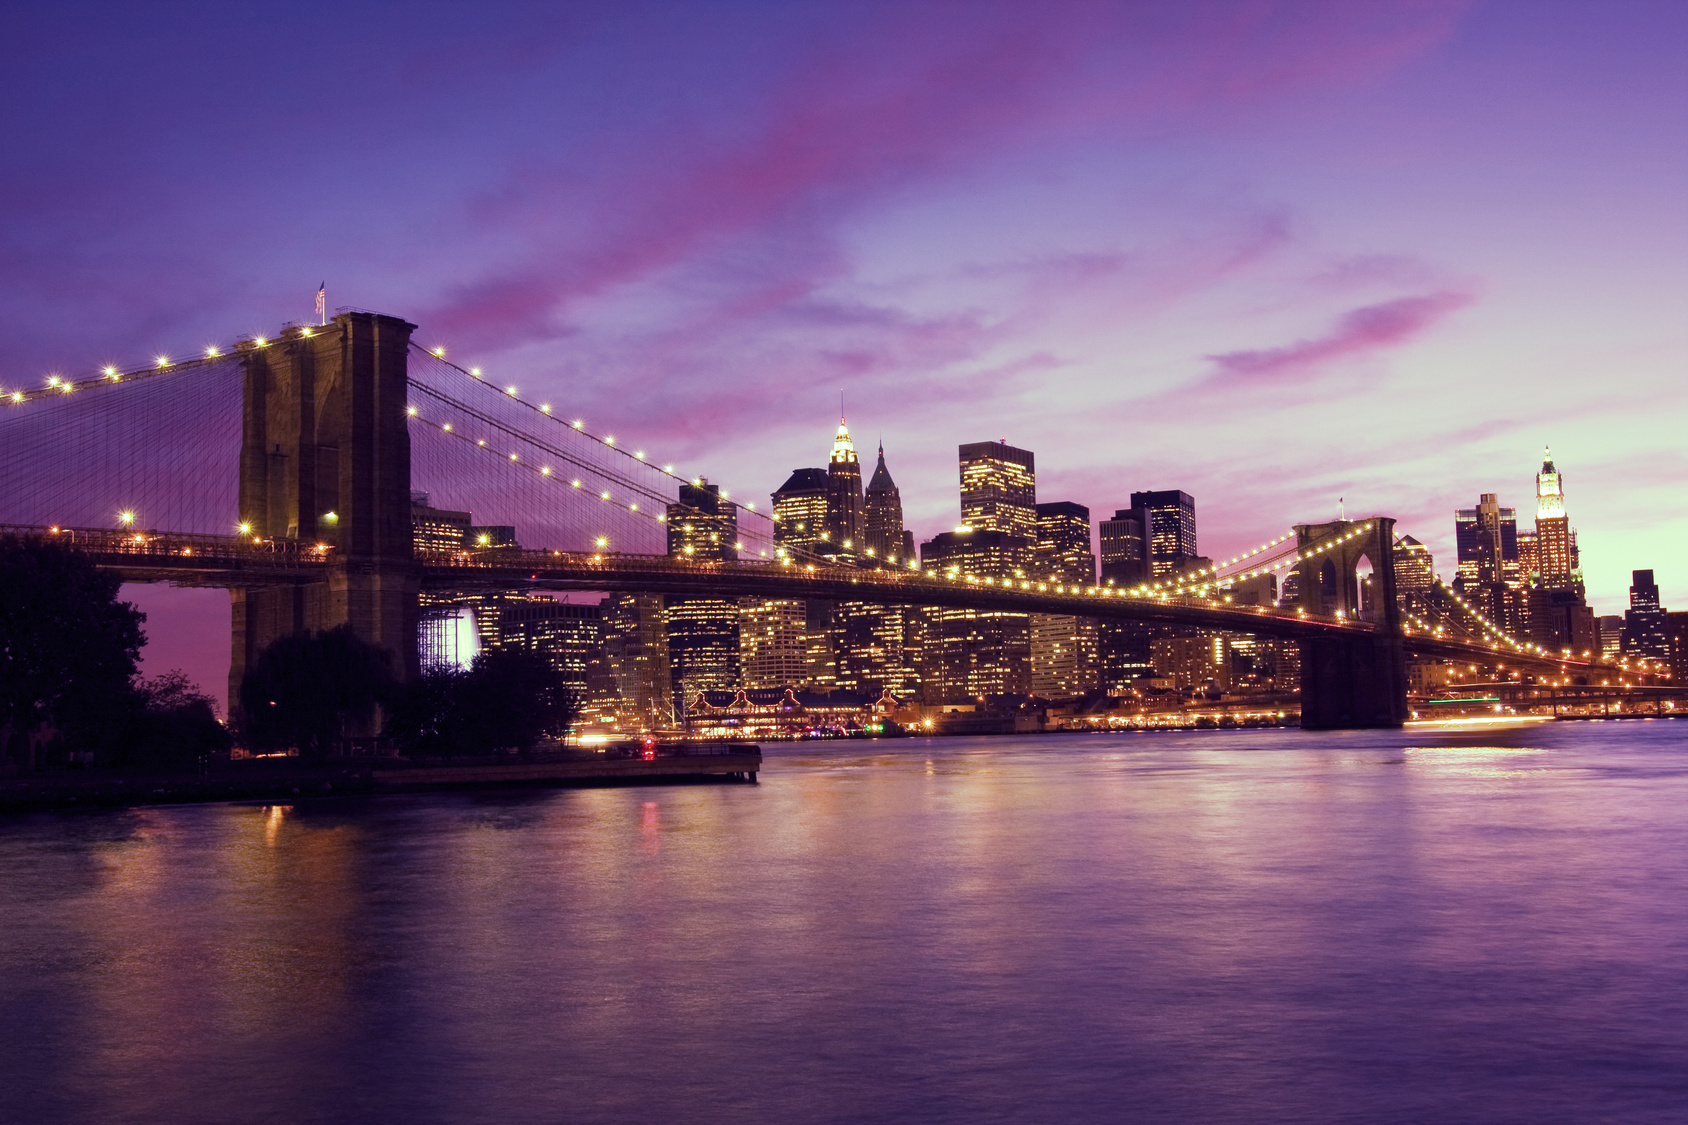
(1063, 647)
(800, 510)
(636, 649)
(973, 653)
(1415, 575)
(1553, 527)
(999, 490)
(1489, 576)
(1125, 559)
(773, 642)
(1644, 623)
(702, 526)
(844, 493)
(1169, 529)
(882, 516)
(1063, 552)
(702, 632)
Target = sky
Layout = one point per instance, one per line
(1272, 254)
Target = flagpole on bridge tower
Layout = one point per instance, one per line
(322, 305)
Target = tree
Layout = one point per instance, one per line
(423, 718)
(68, 647)
(306, 688)
(507, 699)
(176, 725)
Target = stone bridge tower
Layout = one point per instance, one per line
(325, 458)
(1355, 682)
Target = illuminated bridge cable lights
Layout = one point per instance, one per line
(606, 441)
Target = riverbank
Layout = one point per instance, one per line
(283, 779)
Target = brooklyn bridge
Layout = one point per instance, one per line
(283, 469)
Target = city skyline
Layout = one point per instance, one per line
(1267, 255)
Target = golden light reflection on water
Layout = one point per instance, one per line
(1475, 761)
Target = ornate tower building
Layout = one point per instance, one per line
(883, 516)
(844, 493)
(1553, 528)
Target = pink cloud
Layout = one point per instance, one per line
(1356, 333)
(909, 94)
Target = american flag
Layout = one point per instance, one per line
(322, 301)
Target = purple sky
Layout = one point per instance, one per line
(1267, 253)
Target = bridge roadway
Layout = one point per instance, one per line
(230, 561)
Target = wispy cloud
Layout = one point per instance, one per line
(1360, 332)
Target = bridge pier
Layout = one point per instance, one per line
(325, 459)
(1358, 682)
(1353, 683)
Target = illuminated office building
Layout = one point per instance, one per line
(971, 654)
(773, 642)
(844, 494)
(800, 510)
(702, 632)
(1063, 552)
(1169, 529)
(1063, 647)
(1645, 622)
(636, 651)
(1553, 530)
(999, 491)
(1415, 576)
(1125, 552)
(1489, 575)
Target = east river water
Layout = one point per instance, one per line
(1249, 927)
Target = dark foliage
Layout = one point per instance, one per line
(174, 727)
(68, 647)
(305, 689)
(508, 699)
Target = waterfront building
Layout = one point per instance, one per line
(1063, 647)
(636, 651)
(877, 648)
(773, 642)
(569, 636)
(971, 654)
(702, 632)
(1644, 623)
(999, 492)
(844, 514)
(1063, 656)
(1169, 529)
(1676, 635)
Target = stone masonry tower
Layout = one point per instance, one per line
(325, 459)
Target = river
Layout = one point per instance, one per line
(1251, 927)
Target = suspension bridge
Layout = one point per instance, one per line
(284, 468)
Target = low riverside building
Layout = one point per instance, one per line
(788, 712)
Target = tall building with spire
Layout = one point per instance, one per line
(882, 516)
(844, 492)
(1553, 528)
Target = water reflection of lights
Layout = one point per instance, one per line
(273, 816)
(1473, 761)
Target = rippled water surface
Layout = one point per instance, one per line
(1208, 927)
